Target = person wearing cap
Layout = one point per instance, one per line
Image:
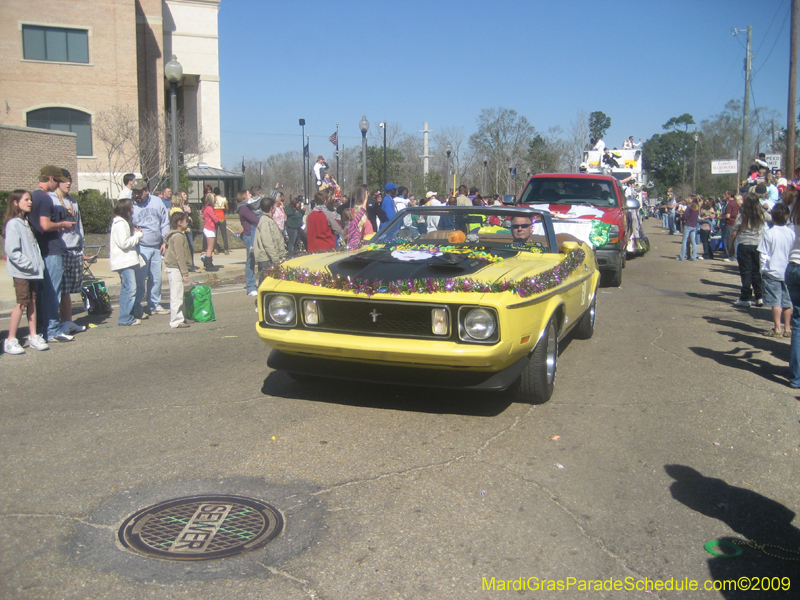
(48, 220)
(73, 253)
(388, 204)
(319, 168)
(151, 216)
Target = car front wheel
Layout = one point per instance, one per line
(585, 329)
(537, 381)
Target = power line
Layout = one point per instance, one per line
(766, 33)
(724, 85)
(777, 37)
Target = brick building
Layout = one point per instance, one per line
(95, 68)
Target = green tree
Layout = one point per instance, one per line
(543, 156)
(666, 157)
(683, 121)
(420, 184)
(599, 123)
(394, 161)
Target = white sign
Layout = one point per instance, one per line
(724, 167)
(774, 161)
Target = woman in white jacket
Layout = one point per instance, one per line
(124, 258)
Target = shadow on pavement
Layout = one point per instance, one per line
(725, 298)
(752, 516)
(721, 284)
(390, 397)
(741, 326)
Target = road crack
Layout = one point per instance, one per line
(52, 516)
(309, 591)
(581, 528)
(445, 463)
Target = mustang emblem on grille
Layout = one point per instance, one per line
(374, 314)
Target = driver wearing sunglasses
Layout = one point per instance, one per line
(521, 229)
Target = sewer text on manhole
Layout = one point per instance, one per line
(201, 527)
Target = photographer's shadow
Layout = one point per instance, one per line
(753, 517)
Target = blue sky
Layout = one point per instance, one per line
(442, 61)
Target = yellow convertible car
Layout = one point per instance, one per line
(445, 296)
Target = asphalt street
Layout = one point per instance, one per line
(673, 426)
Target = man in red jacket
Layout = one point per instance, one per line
(318, 230)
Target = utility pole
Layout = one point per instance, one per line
(425, 155)
(747, 66)
(790, 122)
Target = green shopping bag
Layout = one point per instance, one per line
(188, 303)
(202, 306)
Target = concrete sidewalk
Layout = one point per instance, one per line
(231, 267)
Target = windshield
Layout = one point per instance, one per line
(491, 229)
(568, 190)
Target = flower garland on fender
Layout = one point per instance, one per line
(527, 286)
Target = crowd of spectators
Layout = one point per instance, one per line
(759, 225)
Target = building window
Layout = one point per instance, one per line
(65, 119)
(55, 43)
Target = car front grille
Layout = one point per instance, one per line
(374, 317)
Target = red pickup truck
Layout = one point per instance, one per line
(574, 201)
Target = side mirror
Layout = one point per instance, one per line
(632, 204)
(509, 200)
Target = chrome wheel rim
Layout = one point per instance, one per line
(552, 353)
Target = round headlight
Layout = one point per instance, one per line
(479, 324)
(281, 309)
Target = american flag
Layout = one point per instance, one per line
(334, 139)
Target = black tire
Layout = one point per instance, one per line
(612, 278)
(536, 383)
(585, 329)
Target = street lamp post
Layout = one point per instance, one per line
(385, 179)
(303, 142)
(173, 71)
(363, 125)
(449, 150)
(485, 167)
(694, 167)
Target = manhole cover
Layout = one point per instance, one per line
(201, 527)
